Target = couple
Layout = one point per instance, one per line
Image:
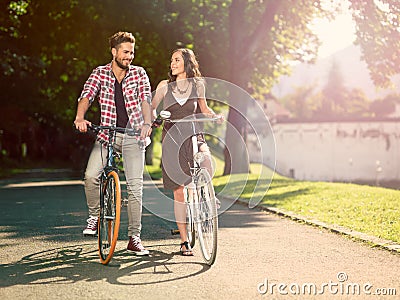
(124, 94)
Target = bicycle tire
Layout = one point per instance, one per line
(207, 217)
(110, 215)
(190, 228)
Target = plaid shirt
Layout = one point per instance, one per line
(135, 88)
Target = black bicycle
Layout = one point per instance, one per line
(110, 191)
(110, 195)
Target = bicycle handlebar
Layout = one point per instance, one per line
(129, 131)
(164, 116)
(188, 120)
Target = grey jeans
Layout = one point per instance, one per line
(133, 162)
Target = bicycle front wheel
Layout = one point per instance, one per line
(190, 229)
(110, 214)
(207, 217)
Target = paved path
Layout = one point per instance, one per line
(260, 255)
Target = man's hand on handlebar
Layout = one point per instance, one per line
(82, 124)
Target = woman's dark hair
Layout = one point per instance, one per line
(190, 63)
(121, 37)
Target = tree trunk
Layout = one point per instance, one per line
(235, 153)
(243, 45)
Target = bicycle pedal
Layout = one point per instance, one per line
(124, 202)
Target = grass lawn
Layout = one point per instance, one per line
(371, 210)
(154, 170)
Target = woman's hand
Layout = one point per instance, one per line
(220, 118)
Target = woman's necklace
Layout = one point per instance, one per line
(182, 91)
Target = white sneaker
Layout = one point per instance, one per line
(91, 227)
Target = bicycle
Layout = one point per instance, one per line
(110, 192)
(200, 200)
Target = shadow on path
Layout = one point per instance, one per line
(58, 212)
(81, 263)
(44, 215)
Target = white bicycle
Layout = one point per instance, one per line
(200, 200)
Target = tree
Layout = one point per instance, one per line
(265, 36)
(385, 106)
(49, 47)
(257, 41)
(261, 40)
(378, 34)
(333, 93)
(40, 43)
(301, 102)
(48, 50)
(357, 104)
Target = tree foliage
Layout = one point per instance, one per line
(48, 49)
(378, 34)
(385, 106)
(302, 102)
(333, 100)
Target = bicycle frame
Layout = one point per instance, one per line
(191, 188)
(111, 153)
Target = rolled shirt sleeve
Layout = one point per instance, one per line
(144, 86)
(91, 86)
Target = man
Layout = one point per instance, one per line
(124, 94)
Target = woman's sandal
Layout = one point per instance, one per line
(188, 251)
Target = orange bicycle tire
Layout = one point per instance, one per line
(111, 225)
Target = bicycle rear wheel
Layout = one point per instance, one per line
(207, 217)
(110, 214)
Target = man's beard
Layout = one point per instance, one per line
(119, 64)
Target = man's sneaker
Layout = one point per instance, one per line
(135, 245)
(91, 227)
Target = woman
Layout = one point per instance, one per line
(183, 94)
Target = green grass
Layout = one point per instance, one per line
(371, 210)
(154, 170)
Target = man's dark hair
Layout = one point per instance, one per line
(121, 37)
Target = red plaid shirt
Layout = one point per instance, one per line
(135, 88)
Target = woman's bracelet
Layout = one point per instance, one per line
(147, 124)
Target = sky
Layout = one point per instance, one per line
(334, 35)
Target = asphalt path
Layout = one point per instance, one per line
(260, 255)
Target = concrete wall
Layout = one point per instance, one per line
(336, 151)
